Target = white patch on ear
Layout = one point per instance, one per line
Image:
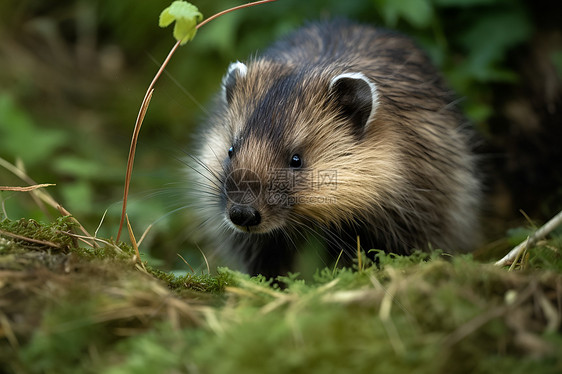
(363, 77)
(235, 70)
(239, 67)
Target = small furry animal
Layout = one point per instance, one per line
(340, 130)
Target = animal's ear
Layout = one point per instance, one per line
(357, 97)
(235, 71)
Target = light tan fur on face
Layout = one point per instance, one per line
(328, 146)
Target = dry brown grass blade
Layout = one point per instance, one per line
(146, 101)
(187, 263)
(134, 243)
(85, 239)
(26, 188)
(359, 257)
(30, 240)
(7, 331)
(38, 194)
(205, 258)
(144, 234)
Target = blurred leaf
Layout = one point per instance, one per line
(221, 36)
(77, 197)
(489, 40)
(556, 58)
(185, 15)
(465, 3)
(419, 13)
(85, 168)
(518, 235)
(21, 137)
(478, 112)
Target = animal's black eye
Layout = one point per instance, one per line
(230, 152)
(296, 161)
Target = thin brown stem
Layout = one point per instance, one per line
(232, 10)
(144, 107)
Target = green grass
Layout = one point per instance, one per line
(80, 310)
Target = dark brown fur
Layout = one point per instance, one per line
(404, 173)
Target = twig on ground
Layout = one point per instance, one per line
(531, 240)
(26, 188)
(31, 240)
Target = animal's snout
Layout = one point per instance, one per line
(244, 215)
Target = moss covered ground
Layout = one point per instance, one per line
(69, 308)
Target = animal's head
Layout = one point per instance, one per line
(286, 146)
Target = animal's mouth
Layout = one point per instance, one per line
(249, 229)
(245, 229)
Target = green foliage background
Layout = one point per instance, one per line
(73, 74)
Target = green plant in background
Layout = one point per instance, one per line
(469, 39)
(23, 133)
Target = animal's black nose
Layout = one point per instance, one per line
(244, 215)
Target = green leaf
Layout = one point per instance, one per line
(185, 15)
(79, 195)
(418, 13)
(488, 43)
(21, 136)
(464, 3)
